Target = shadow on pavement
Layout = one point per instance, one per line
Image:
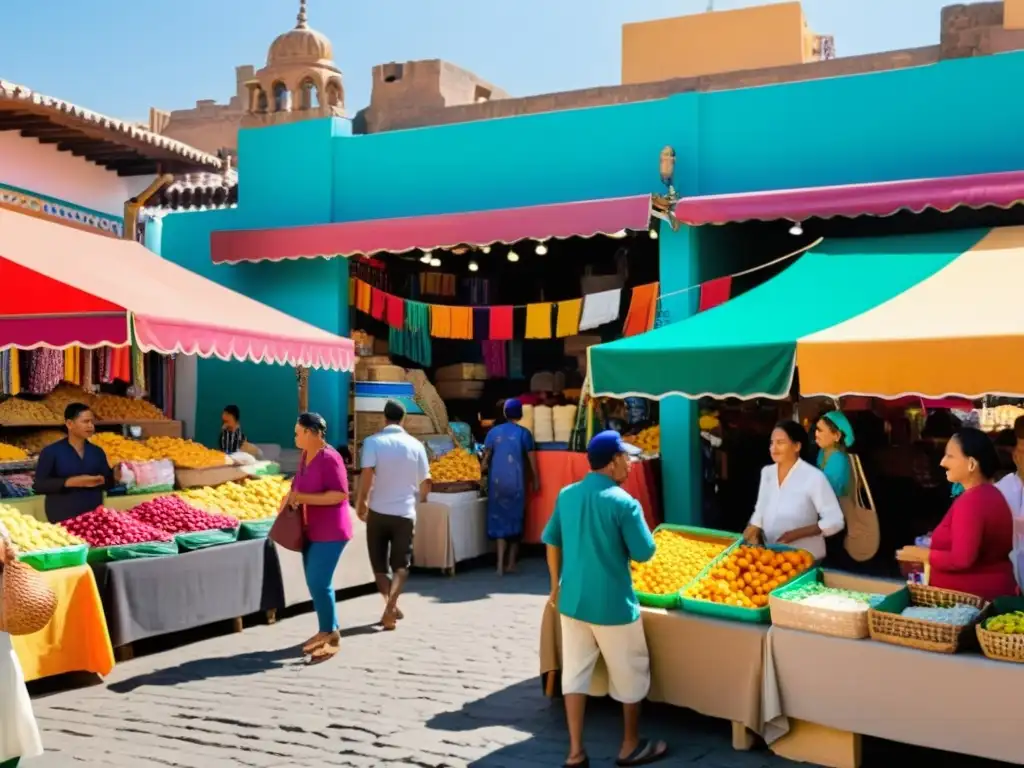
(480, 583)
(242, 665)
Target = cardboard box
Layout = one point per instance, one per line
(461, 372)
(460, 390)
(385, 373)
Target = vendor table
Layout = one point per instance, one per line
(353, 569)
(76, 638)
(450, 528)
(558, 469)
(157, 596)
(962, 703)
(35, 506)
(710, 666)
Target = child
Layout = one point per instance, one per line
(232, 438)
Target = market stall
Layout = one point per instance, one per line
(353, 568)
(450, 528)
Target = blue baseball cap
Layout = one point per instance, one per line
(605, 446)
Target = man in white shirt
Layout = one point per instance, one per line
(395, 476)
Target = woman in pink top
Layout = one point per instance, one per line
(320, 488)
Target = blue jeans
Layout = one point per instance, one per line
(319, 559)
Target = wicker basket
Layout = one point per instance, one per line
(926, 635)
(821, 621)
(1001, 647)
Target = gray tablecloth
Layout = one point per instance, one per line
(158, 596)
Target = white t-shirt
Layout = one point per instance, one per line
(804, 498)
(400, 466)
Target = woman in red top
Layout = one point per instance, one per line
(970, 549)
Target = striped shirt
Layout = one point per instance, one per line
(231, 440)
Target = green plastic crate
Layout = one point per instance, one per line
(732, 612)
(54, 559)
(188, 542)
(255, 529)
(132, 551)
(701, 534)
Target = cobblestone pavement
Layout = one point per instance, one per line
(457, 685)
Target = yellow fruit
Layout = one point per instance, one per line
(11, 453)
(257, 498)
(184, 453)
(677, 560)
(34, 442)
(120, 449)
(457, 466)
(31, 535)
(648, 440)
(16, 410)
(748, 575)
(114, 408)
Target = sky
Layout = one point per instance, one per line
(121, 57)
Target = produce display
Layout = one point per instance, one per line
(175, 515)
(63, 396)
(115, 408)
(258, 498)
(456, 466)
(107, 528)
(34, 442)
(185, 454)
(677, 560)
(648, 440)
(16, 486)
(11, 453)
(958, 615)
(18, 411)
(817, 595)
(31, 535)
(1007, 623)
(748, 574)
(120, 449)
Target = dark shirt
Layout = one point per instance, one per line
(231, 440)
(60, 461)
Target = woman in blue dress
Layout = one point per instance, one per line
(508, 451)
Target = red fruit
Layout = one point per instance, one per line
(106, 528)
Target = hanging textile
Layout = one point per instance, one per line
(105, 367)
(121, 365)
(413, 341)
(363, 296)
(515, 360)
(138, 359)
(394, 312)
(6, 372)
(46, 371)
(440, 321)
(495, 359)
(479, 290)
(481, 323)
(351, 291)
(72, 371)
(538, 321)
(568, 322)
(501, 324)
(600, 308)
(14, 360)
(715, 292)
(643, 308)
(377, 303)
(86, 362)
(462, 323)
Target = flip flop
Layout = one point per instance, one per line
(584, 763)
(646, 752)
(324, 653)
(312, 644)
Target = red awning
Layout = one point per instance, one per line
(65, 287)
(479, 228)
(1000, 190)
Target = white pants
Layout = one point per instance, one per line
(624, 650)
(19, 736)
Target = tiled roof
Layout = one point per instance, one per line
(198, 190)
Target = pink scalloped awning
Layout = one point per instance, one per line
(479, 228)
(999, 190)
(68, 287)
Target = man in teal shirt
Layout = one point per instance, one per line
(594, 532)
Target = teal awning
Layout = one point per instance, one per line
(746, 347)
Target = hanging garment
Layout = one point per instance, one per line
(643, 309)
(495, 359)
(501, 324)
(481, 323)
(413, 341)
(377, 299)
(515, 360)
(121, 363)
(87, 362)
(138, 369)
(351, 291)
(363, 296)
(715, 292)
(448, 285)
(394, 312)
(440, 321)
(538, 321)
(5, 373)
(46, 371)
(568, 322)
(71, 375)
(600, 308)
(462, 323)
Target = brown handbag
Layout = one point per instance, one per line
(863, 536)
(27, 603)
(289, 529)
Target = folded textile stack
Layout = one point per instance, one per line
(564, 419)
(543, 424)
(527, 421)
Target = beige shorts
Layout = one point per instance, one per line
(624, 650)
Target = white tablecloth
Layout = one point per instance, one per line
(353, 569)
(450, 528)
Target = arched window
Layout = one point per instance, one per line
(310, 98)
(282, 98)
(334, 93)
(262, 103)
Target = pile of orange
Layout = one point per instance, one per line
(677, 560)
(745, 578)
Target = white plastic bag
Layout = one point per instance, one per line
(148, 476)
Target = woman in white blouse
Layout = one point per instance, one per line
(796, 505)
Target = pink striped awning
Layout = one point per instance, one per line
(67, 287)
(479, 228)
(999, 190)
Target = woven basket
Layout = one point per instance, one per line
(1001, 647)
(26, 602)
(821, 621)
(925, 635)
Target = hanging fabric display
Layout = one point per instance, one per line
(462, 323)
(501, 324)
(377, 298)
(413, 341)
(87, 361)
(394, 313)
(138, 359)
(642, 310)
(440, 321)
(568, 321)
(715, 292)
(46, 371)
(600, 308)
(538, 321)
(495, 359)
(515, 360)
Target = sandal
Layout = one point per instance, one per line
(324, 653)
(314, 642)
(646, 752)
(584, 763)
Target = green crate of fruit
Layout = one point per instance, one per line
(188, 542)
(132, 551)
(255, 529)
(760, 615)
(671, 600)
(54, 559)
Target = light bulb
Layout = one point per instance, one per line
(427, 257)
(435, 262)
(654, 234)
(541, 249)
(796, 230)
(619, 235)
(513, 256)
(473, 266)
(485, 249)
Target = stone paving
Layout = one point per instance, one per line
(457, 685)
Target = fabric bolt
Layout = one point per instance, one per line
(568, 321)
(103, 367)
(70, 366)
(481, 323)
(462, 323)
(600, 308)
(319, 559)
(394, 312)
(377, 299)
(538, 321)
(643, 309)
(440, 321)
(515, 361)
(495, 359)
(715, 292)
(501, 325)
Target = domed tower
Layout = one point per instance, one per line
(299, 82)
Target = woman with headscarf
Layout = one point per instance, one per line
(834, 437)
(508, 451)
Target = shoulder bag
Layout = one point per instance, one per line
(863, 536)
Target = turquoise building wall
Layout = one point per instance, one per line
(950, 118)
